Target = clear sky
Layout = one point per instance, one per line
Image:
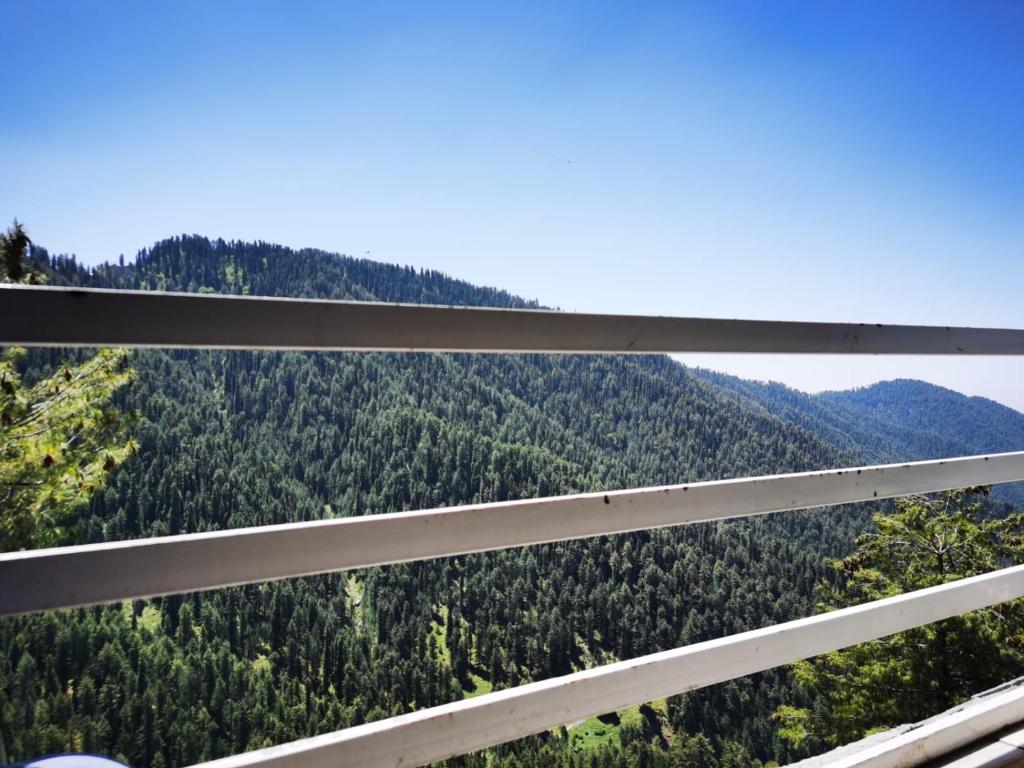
(804, 160)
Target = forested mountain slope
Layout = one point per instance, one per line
(901, 420)
(245, 438)
(937, 417)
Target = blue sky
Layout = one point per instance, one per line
(804, 160)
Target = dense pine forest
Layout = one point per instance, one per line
(229, 439)
(891, 421)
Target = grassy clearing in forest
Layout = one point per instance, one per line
(607, 729)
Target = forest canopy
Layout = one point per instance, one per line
(230, 439)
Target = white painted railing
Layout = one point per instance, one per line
(464, 726)
(65, 577)
(965, 727)
(90, 574)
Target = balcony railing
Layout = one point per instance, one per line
(103, 573)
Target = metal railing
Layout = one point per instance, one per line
(102, 573)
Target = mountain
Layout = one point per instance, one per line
(931, 419)
(892, 421)
(233, 438)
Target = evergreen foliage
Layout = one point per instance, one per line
(14, 244)
(878, 685)
(60, 438)
(59, 441)
(891, 421)
(230, 439)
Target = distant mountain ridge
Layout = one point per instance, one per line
(897, 420)
(930, 415)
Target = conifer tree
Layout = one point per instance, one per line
(59, 437)
(927, 541)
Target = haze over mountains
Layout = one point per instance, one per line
(229, 439)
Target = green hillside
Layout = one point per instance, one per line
(892, 421)
(244, 438)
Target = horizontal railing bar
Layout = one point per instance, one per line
(943, 735)
(438, 733)
(54, 316)
(64, 577)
